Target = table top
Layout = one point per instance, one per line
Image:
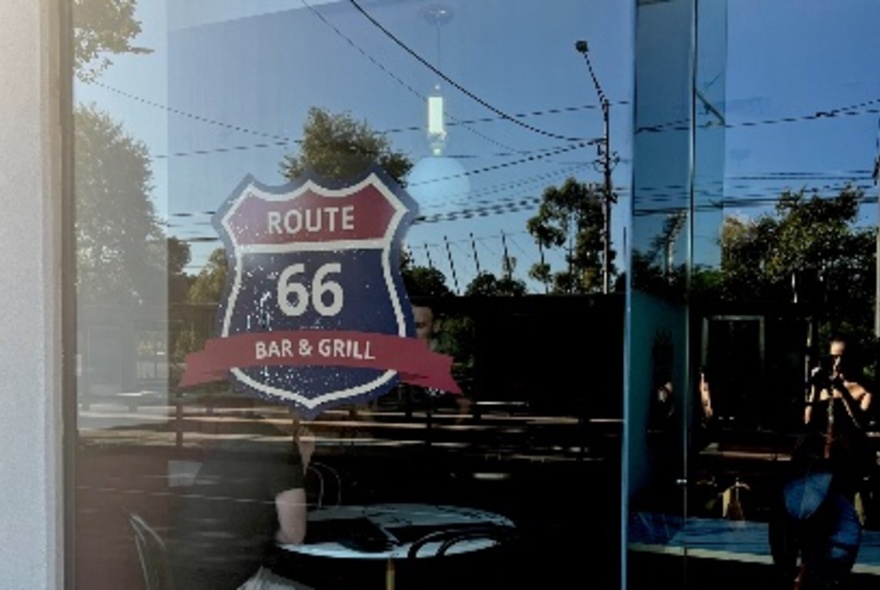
(394, 529)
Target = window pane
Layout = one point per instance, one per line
(231, 386)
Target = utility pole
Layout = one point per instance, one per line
(607, 162)
(876, 176)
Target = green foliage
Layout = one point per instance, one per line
(337, 147)
(122, 253)
(211, 280)
(801, 251)
(487, 284)
(102, 27)
(421, 282)
(457, 338)
(195, 317)
(808, 250)
(571, 217)
(178, 256)
(667, 281)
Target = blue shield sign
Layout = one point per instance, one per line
(314, 312)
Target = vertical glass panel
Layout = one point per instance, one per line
(302, 227)
(779, 306)
(659, 384)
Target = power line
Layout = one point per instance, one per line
(846, 111)
(255, 146)
(283, 140)
(523, 115)
(394, 76)
(755, 200)
(531, 158)
(520, 248)
(851, 110)
(478, 196)
(193, 116)
(684, 195)
(220, 150)
(455, 84)
(656, 198)
(525, 203)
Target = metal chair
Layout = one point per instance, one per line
(152, 554)
(483, 566)
(446, 539)
(323, 473)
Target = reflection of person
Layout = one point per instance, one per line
(841, 382)
(821, 522)
(427, 326)
(837, 409)
(248, 496)
(665, 403)
(705, 397)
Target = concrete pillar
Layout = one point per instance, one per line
(31, 490)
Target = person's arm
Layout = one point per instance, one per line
(856, 400)
(292, 510)
(292, 505)
(813, 396)
(866, 402)
(705, 397)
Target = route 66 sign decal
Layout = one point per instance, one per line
(314, 312)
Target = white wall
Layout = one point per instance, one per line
(30, 385)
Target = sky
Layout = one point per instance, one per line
(225, 92)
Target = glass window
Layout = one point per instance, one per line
(350, 284)
(753, 339)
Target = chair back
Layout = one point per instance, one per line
(152, 554)
(445, 540)
(328, 483)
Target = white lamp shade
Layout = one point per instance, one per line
(439, 184)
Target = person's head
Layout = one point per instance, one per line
(836, 349)
(843, 358)
(426, 324)
(421, 301)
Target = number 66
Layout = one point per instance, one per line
(319, 288)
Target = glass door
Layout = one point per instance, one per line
(754, 234)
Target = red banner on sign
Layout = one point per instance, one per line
(410, 357)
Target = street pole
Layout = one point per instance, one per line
(607, 165)
(876, 176)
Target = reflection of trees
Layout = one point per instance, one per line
(571, 217)
(123, 257)
(809, 250)
(337, 147)
(102, 27)
(195, 318)
(487, 284)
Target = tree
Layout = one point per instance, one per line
(102, 27)
(667, 281)
(571, 217)
(196, 316)
(808, 250)
(487, 284)
(178, 255)
(122, 252)
(336, 146)
(654, 270)
(209, 284)
(422, 282)
(805, 239)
